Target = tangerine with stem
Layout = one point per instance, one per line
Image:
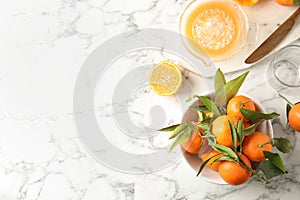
(294, 117)
(254, 145)
(233, 172)
(237, 102)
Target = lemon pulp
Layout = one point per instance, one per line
(165, 78)
(215, 27)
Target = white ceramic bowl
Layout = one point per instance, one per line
(194, 161)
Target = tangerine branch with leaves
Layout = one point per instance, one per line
(229, 124)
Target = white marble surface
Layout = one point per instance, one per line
(43, 46)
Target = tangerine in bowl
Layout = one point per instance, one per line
(228, 137)
(211, 172)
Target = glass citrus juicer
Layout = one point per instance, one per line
(283, 72)
(217, 27)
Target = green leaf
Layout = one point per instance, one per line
(240, 130)
(190, 98)
(205, 126)
(269, 170)
(194, 128)
(201, 116)
(219, 82)
(233, 86)
(181, 138)
(199, 108)
(211, 140)
(179, 130)
(203, 165)
(170, 128)
(254, 115)
(297, 2)
(233, 134)
(224, 158)
(225, 150)
(282, 144)
(275, 159)
(251, 129)
(210, 105)
(231, 89)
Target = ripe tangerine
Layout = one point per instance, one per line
(233, 173)
(294, 117)
(221, 130)
(246, 2)
(286, 2)
(237, 102)
(193, 143)
(255, 144)
(211, 164)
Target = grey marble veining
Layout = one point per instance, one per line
(43, 45)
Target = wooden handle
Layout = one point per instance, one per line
(274, 39)
(295, 14)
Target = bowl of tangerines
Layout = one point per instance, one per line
(227, 137)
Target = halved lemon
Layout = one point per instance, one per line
(246, 2)
(165, 78)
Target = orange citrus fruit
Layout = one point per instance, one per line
(233, 173)
(294, 117)
(287, 2)
(237, 102)
(254, 145)
(246, 2)
(221, 129)
(211, 164)
(165, 78)
(193, 143)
